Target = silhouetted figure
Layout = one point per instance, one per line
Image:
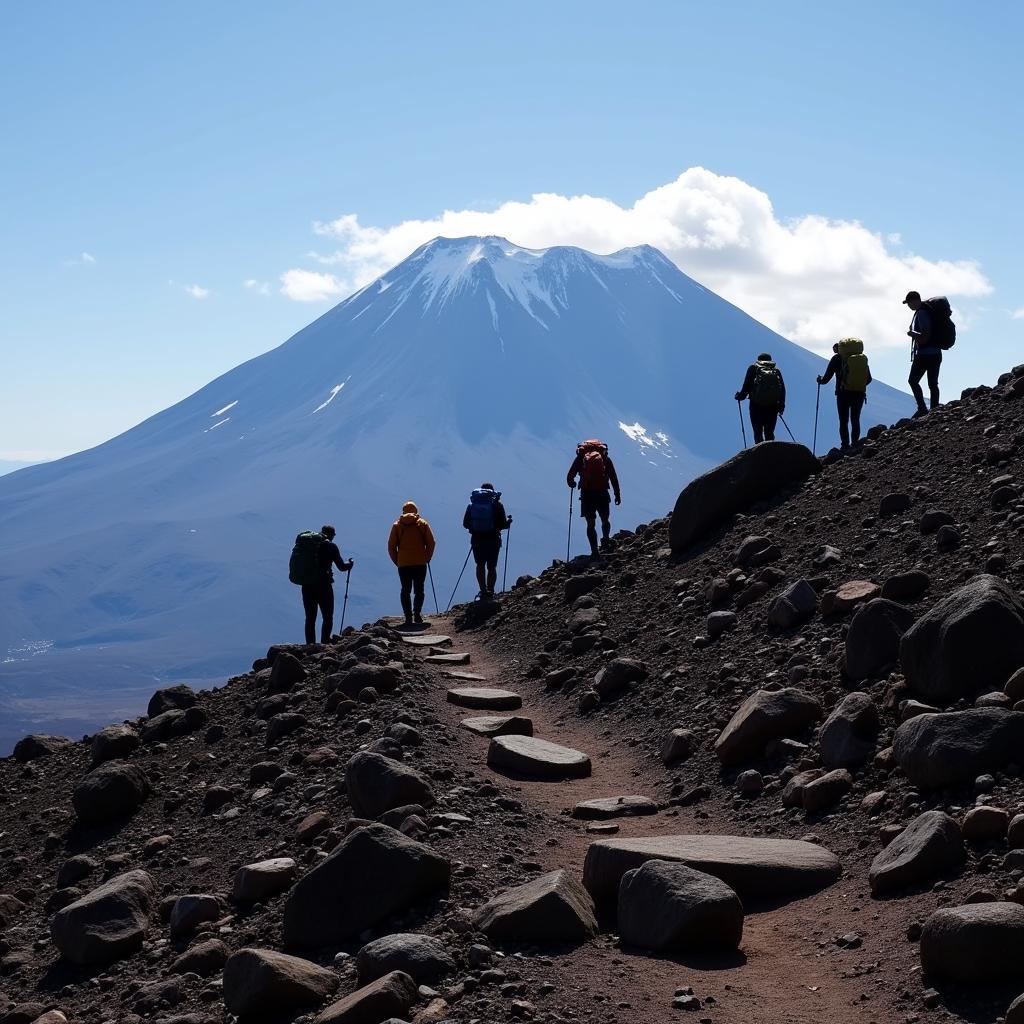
(411, 547)
(766, 389)
(314, 558)
(925, 353)
(852, 374)
(485, 518)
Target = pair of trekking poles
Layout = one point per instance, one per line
(743, 426)
(504, 577)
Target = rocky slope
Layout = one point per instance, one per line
(323, 838)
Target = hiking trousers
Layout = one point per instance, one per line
(414, 579)
(762, 421)
(925, 364)
(319, 597)
(849, 405)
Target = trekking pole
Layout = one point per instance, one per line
(817, 401)
(568, 543)
(508, 542)
(430, 573)
(788, 431)
(344, 604)
(743, 429)
(459, 580)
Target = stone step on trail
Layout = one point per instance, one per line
(461, 658)
(425, 640)
(484, 698)
(608, 807)
(499, 725)
(537, 758)
(755, 868)
(469, 677)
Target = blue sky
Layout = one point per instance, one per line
(159, 156)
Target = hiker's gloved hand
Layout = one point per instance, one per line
(572, 485)
(508, 519)
(818, 378)
(618, 500)
(351, 562)
(738, 397)
(782, 410)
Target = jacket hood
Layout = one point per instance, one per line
(410, 506)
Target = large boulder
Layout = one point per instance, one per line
(30, 748)
(383, 1000)
(937, 750)
(108, 923)
(974, 944)
(753, 867)
(376, 784)
(551, 908)
(259, 982)
(113, 743)
(970, 642)
(618, 674)
(873, 640)
(930, 845)
(764, 716)
(263, 879)
(849, 734)
(375, 872)
(751, 475)
(665, 905)
(794, 606)
(113, 790)
(172, 698)
(424, 958)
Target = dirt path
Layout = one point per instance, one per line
(789, 970)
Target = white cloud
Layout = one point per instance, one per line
(311, 286)
(197, 291)
(810, 278)
(83, 259)
(1018, 314)
(260, 287)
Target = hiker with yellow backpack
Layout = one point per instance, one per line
(849, 367)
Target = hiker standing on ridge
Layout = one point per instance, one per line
(931, 331)
(766, 389)
(411, 547)
(311, 564)
(485, 518)
(850, 368)
(596, 472)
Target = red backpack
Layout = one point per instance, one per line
(593, 467)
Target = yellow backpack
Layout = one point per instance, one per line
(855, 374)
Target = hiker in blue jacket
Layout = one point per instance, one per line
(485, 518)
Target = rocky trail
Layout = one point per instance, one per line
(760, 762)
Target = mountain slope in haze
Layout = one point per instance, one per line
(162, 554)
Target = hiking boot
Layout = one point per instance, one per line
(920, 412)
(408, 622)
(418, 619)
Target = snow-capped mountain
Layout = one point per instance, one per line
(162, 554)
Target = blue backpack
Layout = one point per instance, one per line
(481, 510)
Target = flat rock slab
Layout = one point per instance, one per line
(448, 659)
(469, 677)
(484, 698)
(536, 758)
(425, 640)
(499, 725)
(614, 807)
(753, 867)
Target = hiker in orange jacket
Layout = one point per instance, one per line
(411, 547)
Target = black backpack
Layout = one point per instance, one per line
(304, 566)
(943, 329)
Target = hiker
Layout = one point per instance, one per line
(931, 331)
(411, 547)
(766, 389)
(485, 518)
(596, 472)
(311, 566)
(852, 374)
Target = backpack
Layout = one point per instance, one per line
(593, 468)
(304, 566)
(766, 388)
(854, 374)
(943, 329)
(481, 510)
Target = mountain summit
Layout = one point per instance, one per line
(162, 554)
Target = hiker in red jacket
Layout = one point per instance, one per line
(596, 472)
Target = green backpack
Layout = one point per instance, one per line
(766, 388)
(303, 566)
(854, 375)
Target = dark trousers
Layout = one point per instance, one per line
(762, 421)
(319, 597)
(849, 404)
(918, 368)
(412, 576)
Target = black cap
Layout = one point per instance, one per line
(912, 295)
(764, 357)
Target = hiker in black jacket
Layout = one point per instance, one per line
(766, 389)
(485, 518)
(320, 595)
